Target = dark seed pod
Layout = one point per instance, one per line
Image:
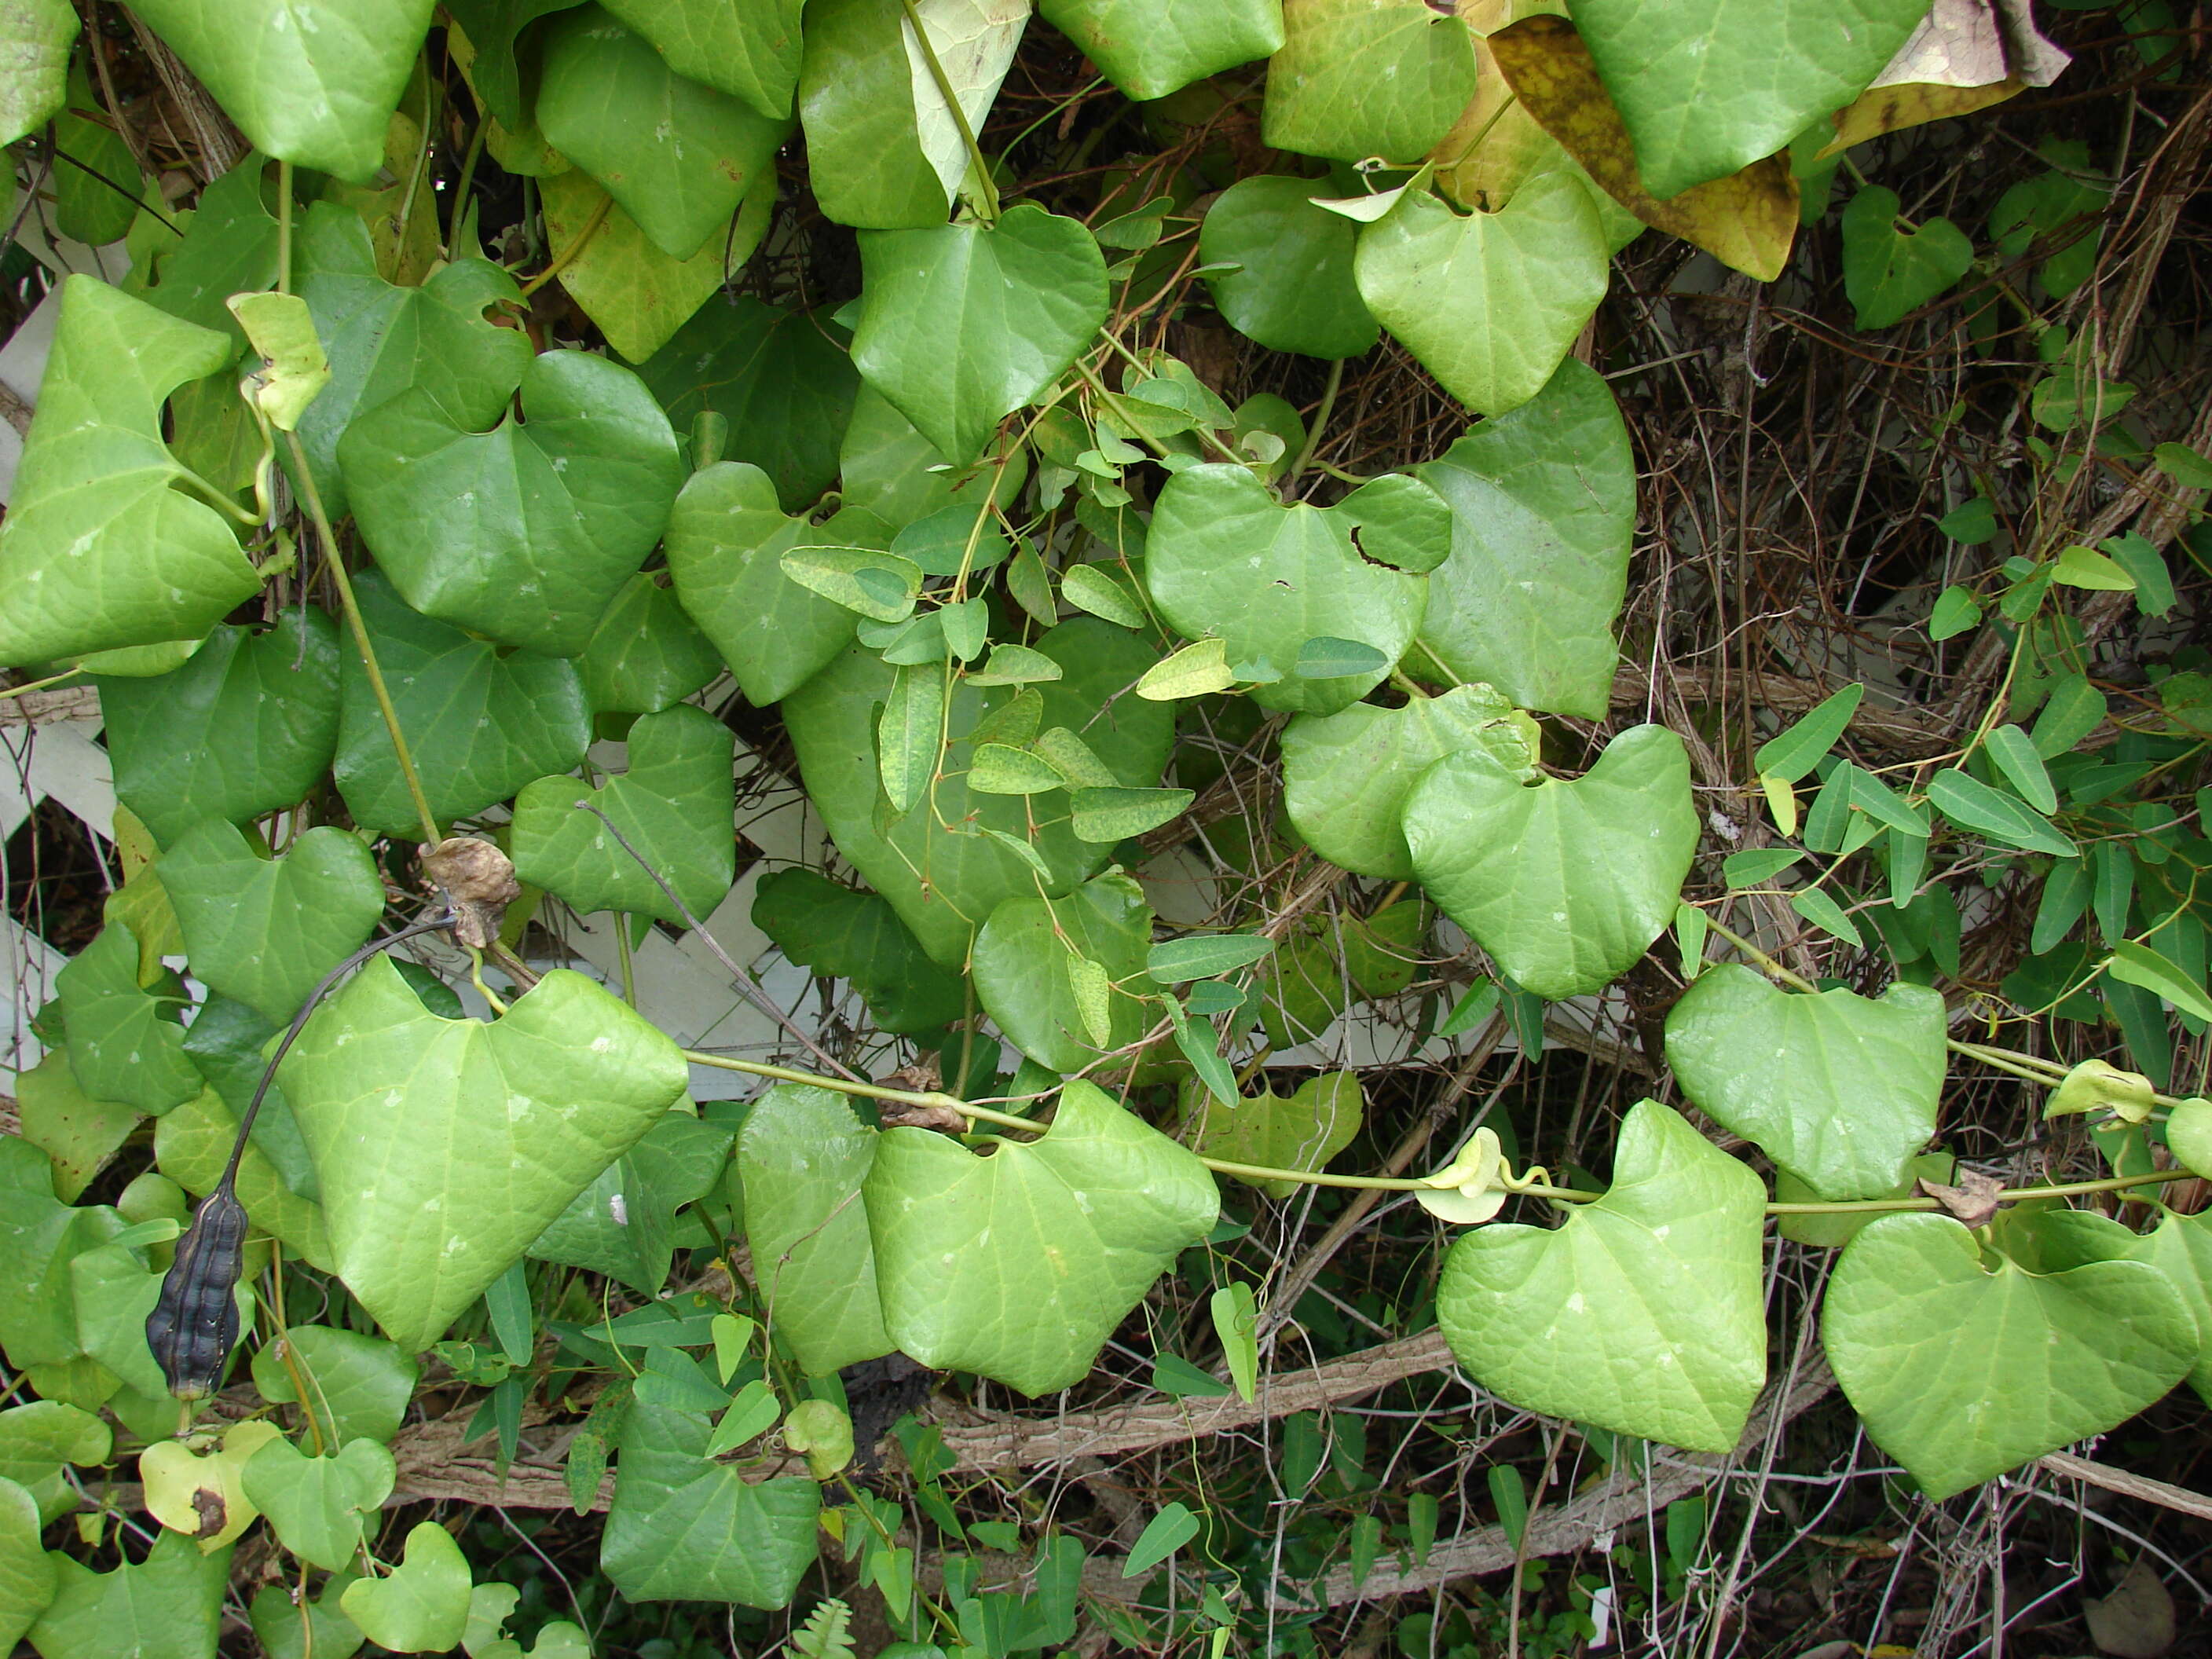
(194, 1325)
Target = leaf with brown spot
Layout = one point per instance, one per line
(1747, 221)
(1966, 56)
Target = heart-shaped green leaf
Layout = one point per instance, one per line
(749, 52)
(169, 1603)
(494, 720)
(526, 532)
(673, 805)
(313, 82)
(1489, 302)
(804, 1155)
(316, 1629)
(1889, 270)
(38, 36)
(1345, 776)
(781, 379)
(1839, 1089)
(2180, 1247)
(422, 1605)
(1022, 959)
(125, 1042)
(942, 877)
(685, 1528)
(38, 1439)
(1356, 78)
(246, 725)
(1564, 884)
(1224, 557)
(623, 1224)
(446, 1146)
(726, 539)
(1543, 504)
(678, 155)
(38, 1322)
(1289, 284)
(1302, 1130)
(637, 295)
(264, 930)
(230, 247)
(646, 654)
(1963, 1367)
(105, 545)
(1683, 74)
(316, 1504)
(962, 325)
(1641, 1312)
(383, 340)
(843, 934)
(1020, 1265)
(358, 1386)
(1149, 48)
(27, 1576)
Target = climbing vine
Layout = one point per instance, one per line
(490, 438)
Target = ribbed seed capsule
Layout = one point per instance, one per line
(194, 1325)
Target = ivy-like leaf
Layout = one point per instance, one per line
(1565, 883)
(1345, 776)
(674, 804)
(1543, 505)
(1641, 1312)
(675, 153)
(686, 1528)
(1356, 78)
(27, 1576)
(1021, 964)
(1302, 1130)
(1288, 284)
(804, 1157)
(1489, 302)
(1963, 1368)
(1224, 557)
(527, 531)
(35, 37)
(422, 1605)
(104, 545)
(247, 724)
(647, 653)
(126, 1044)
(316, 1504)
(1020, 1265)
(1149, 48)
(170, 1603)
(265, 931)
(962, 325)
(312, 82)
(358, 1386)
(1889, 270)
(446, 1146)
(749, 52)
(494, 721)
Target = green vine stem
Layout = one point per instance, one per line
(1526, 1189)
(311, 498)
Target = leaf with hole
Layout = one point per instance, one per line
(804, 1157)
(495, 720)
(673, 802)
(445, 1147)
(1641, 1313)
(1022, 967)
(527, 531)
(106, 543)
(1543, 505)
(1838, 1088)
(1021, 1264)
(1566, 884)
(1489, 302)
(266, 930)
(1225, 558)
(962, 325)
(1282, 268)
(1964, 1364)
(1346, 776)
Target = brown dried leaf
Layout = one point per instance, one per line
(2136, 1621)
(1967, 55)
(477, 880)
(910, 1114)
(1747, 221)
(1972, 1201)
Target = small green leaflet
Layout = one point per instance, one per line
(1105, 815)
(1164, 1535)
(1955, 613)
(1203, 956)
(1088, 587)
(1793, 753)
(1972, 804)
(881, 586)
(2015, 754)
(1235, 1324)
(2136, 964)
